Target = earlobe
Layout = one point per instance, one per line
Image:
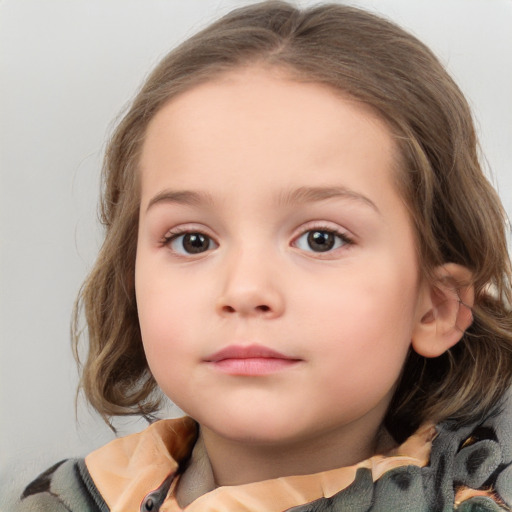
(444, 311)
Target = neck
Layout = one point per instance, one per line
(236, 462)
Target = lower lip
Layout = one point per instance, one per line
(253, 366)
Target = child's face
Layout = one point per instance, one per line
(270, 222)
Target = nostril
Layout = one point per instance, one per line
(262, 308)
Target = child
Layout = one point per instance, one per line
(303, 254)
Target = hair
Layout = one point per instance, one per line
(457, 215)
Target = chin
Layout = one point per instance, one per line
(262, 430)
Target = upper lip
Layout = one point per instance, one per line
(247, 352)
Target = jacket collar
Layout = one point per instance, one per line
(128, 470)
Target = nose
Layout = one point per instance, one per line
(250, 288)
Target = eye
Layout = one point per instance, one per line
(321, 240)
(190, 243)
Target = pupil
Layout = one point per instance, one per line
(321, 241)
(195, 243)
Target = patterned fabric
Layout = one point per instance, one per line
(470, 470)
(64, 487)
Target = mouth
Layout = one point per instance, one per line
(250, 360)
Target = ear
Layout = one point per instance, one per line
(444, 310)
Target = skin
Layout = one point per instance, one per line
(246, 146)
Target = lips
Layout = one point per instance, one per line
(251, 360)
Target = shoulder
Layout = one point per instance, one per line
(475, 460)
(469, 468)
(64, 487)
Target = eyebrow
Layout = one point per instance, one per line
(186, 197)
(313, 194)
(290, 198)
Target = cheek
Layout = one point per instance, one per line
(363, 344)
(171, 315)
(155, 304)
(162, 322)
(166, 343)
(367, 304)
(366, 314)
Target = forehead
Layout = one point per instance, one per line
(258, 120)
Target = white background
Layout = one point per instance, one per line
(68, 67)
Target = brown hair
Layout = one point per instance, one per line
(458, 216)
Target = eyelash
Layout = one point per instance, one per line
(176, 233)
(342, 236)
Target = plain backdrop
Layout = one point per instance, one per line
(68, 67)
